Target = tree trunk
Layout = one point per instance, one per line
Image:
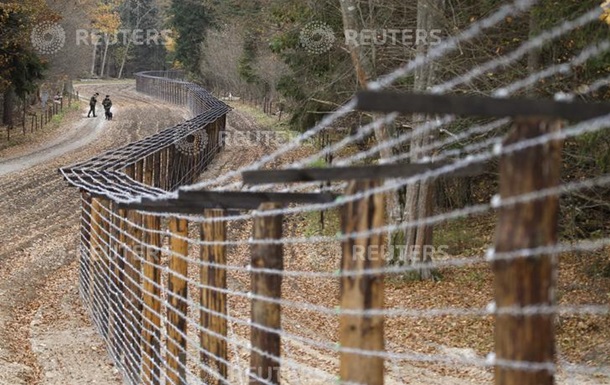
(68, 87)
(363, 65)
(8, 107)
(94, 57)
(419, 196)
(105, 54)
(365, 68)
(124, 58)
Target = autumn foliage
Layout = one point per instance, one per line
(18, 61)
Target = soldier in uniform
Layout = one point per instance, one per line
(107, 103)
(92, 103)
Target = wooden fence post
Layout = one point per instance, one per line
(362, 292)
(526, 281)
(157, 169)
(116, 286)
(133, 291)
(214, 300)
(264, 369)
(151, 292)
(104, 266)
(177, 298)
(123, 302)
(85, 252)
(94, 252)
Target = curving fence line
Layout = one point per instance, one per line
(173, 157)
(119, 280)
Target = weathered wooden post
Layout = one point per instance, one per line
(104, 265)
(264, 368)
(212, 277)
(116, 293)
(363, 290)
(157, 169)
(133, 288)
(177, 298)
(85, 246)
(526, 281)
(151, 292)
(94, 252)
(123, 303)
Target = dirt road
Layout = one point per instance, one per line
(44, 336)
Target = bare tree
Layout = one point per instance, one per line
(419, 197)
(363, 64)
(94, 43)
(364, 67)
(138, 21)
(221, 51)
(271, 69)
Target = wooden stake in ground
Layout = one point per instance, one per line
(265, 313)
(85, 253)
(177, 298)
(213, 279)
(105, 264)
(94, 253)
(526, 281)
(361, 292)
(117, 266)
(133, 288)
(122, 284)
(151, 292)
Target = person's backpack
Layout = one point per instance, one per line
(93, 101)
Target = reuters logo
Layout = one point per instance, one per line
(190, 143)
(48, 38)
(317, 37)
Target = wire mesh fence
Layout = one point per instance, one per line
(227, 280)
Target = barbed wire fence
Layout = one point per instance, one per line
(216, 281)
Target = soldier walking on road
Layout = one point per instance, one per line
(92, 103)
